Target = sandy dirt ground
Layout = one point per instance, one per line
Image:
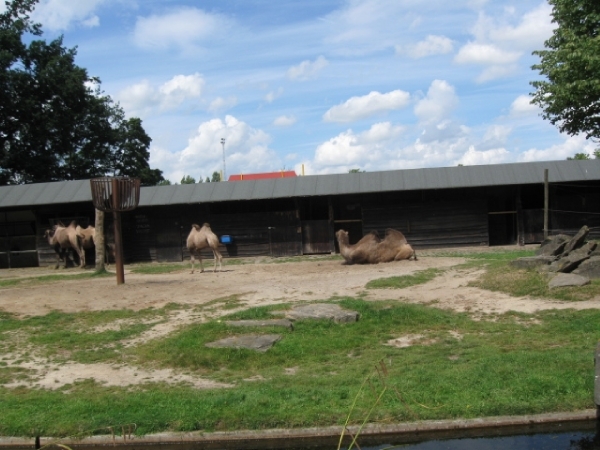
(258, 282)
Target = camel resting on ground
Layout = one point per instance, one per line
(373, 250)
(61, 239)
(200, 238)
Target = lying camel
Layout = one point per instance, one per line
(200, 238)
(61, 239)
(373, 250)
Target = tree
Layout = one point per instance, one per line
(356, 171)
(570, 93)
(584, 156)
(53, 124)
(216, 176)
(188, 180)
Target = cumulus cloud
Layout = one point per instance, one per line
(143, 96)
(246, 151)
(58, 15)
(568, 148)
(350, 149)
(522, 106)
(440, 101)
(493, 156)
(222, 104)
(432, 45)
(284, 121)
(307, 70)
(183, 28)
(357, 108)
(500, 42)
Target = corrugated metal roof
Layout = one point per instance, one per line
(315, 185)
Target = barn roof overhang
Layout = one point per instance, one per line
(64, 192)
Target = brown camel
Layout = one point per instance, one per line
(61, 239)
(87, 237)
(373, 250)
(200, 238)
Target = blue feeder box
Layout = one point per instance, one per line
(226, 239)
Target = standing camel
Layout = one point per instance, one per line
(87, 237)
(200, 238)
(61, 239)
(373, 250)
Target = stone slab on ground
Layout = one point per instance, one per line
(261, 323)
(258, 342)
(532, 262)
(577, 240)
(553, 245)
(568, 263)
(322, 311)
(568, 279)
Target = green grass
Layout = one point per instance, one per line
(514, 364)
(419, 277)
(494, 368)
(10, 282)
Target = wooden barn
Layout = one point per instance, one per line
(439, 207)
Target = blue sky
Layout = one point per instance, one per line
(328, 85)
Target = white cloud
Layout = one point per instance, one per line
(284, 121)
(57, 15)
(486, 54)
(563, 150)
(349, 149)
(307, 70)
(432, 45)
(493, 156)
(143, 97)
(439, 102)
(222, 104)
(357, 108)
(183, 28)
(522, 106)
(246, 151)
(273, 95)
(501, 41)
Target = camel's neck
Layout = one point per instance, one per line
(345, 247)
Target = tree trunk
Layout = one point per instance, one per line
(99, 241)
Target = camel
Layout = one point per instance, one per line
(200, 238)
(88, 236)
(373, 250)
(61, 239)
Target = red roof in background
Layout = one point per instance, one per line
(262, 176)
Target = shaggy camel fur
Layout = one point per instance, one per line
(373, 250)
(200, 238)
(61, 239)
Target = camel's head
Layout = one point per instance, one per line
(342, 235)
(48, 233)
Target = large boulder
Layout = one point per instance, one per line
(589, 268)
(577, 240)
(553, 246)
(568, 263)
(258, 342)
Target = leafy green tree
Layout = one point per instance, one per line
(207, 180)
(164, 183)
(53, 124)
(584, 156)
(569, 94)
(216, 176)
(356, 171)
(188, 180)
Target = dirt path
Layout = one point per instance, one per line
(254, 284)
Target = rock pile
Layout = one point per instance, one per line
(572, 257)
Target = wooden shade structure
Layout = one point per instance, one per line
(116, 194)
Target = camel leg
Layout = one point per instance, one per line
(219, 259)
(192, 261)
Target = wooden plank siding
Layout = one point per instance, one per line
(439, 224)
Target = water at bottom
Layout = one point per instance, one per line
(562, 440)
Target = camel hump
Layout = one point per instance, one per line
(206, 225)
(196, 227)
(395, 235)
(73, 224)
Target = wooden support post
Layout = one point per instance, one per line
(117, 226)
(546, 203)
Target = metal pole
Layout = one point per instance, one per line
(117, 227)
(224, 170)
(546, 203)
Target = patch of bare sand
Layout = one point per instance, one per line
(252, 285)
